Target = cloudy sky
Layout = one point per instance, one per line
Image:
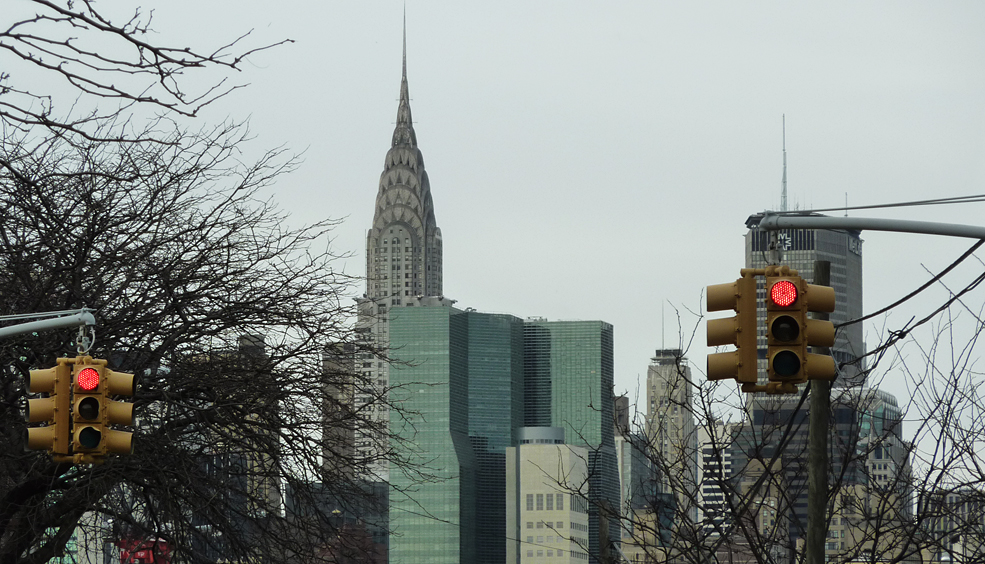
(594, 160)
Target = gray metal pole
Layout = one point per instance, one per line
(817, 446)
(774, 222)
(84, 318)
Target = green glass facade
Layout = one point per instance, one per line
(495, 350)
(569, 371)
(465, 382)
(432, 521)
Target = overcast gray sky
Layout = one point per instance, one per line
(594, 160)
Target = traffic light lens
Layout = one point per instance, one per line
(786, 364)
(89, 437)
(785, 329)
(784, 293)
(89, 408)
(88, 379)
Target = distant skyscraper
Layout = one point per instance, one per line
(568, 370)
(403, 248)
(670, 428)
(715, 477)
(403, 261)
(459, 379)
(432, 493)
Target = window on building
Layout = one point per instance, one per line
(530, 553)
(530, 540)
(550, 502)
(540, 502)
(530, 502)
(540, 524)
(530, 524)
(540, 540)
(560, 501)
(560, 524)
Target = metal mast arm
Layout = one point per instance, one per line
(84, 317)
(775, 222)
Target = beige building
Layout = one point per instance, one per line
(546, 499)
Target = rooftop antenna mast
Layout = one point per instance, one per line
(783, 190)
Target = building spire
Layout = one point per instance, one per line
(403, 134)
(405, 44)
(783, 188)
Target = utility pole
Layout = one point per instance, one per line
(817, 446)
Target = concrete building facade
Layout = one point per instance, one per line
(547, 515)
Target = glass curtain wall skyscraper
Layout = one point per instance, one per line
(458, 378)
(568, 382)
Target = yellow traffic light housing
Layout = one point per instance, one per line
(820, 333)
(740, 330)
(53, 410)
(94, 411)
(789, 331)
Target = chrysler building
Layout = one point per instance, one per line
(403, 263)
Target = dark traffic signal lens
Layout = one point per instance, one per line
(89, 408)
(89, 437)
(785, 329)
(786, 364)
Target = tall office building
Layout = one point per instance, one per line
(403, 261)
(714, 479)
(671, 431)
(568, 372)
(458, 377)
(432, 498)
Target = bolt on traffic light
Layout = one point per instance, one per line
(789, 331)
(53, 409)
(94, 411)
(740, 330)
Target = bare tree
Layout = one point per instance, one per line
(223, 311)
(232, 319)
(110, 66)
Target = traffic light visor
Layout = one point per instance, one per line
(88, 379)
(784, 293)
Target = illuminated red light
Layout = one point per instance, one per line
(784, 293)
(88, 379)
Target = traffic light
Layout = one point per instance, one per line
(94, 411)
(739, 330)
(789, 331)
(53, 410)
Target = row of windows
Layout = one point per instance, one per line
(549, 525)
(550, 539)
(530, 553)
(552, 501)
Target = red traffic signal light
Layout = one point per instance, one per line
(87, 379)
(784, 293)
